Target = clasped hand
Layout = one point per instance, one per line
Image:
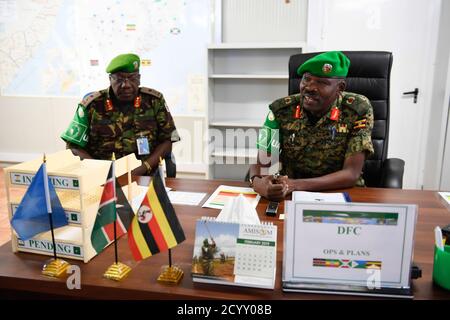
(273, 188)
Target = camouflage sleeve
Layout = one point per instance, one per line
(268, 134)
(166, 125)
(360, 138)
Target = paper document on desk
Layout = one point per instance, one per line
(186, 198)
(223, 194)
(305, 196)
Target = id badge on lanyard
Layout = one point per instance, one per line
(142, 146)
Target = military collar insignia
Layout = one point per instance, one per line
(297, 112)
(109, 105)
(334, 115)
(137, 102)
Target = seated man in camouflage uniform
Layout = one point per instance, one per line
(123, 119)
(322, 135)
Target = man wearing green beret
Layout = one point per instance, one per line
(124, 118)
(322, 135)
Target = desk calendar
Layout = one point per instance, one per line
(234, 254)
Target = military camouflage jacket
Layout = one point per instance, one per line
(112, 129)
(308, 150)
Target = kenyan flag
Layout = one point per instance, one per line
(112, 203)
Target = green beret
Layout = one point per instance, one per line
(124, 63)
(332, 64)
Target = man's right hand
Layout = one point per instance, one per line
(268, 187)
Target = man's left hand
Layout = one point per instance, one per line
(139, 171)
(288, 183)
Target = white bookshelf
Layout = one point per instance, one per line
(243, 153)
(243, 79)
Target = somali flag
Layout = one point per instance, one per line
(31, 217)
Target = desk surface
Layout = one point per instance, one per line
(21, 272)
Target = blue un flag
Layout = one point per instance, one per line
(31, 217)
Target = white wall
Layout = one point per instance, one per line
(438, 123)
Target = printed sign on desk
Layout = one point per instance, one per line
(349, 244)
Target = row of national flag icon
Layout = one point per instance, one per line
(154, 228)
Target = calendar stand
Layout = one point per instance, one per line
(251, 262)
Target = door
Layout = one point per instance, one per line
(407, 28)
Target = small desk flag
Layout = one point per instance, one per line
(155, 228)
(113, 202)
(32, 215)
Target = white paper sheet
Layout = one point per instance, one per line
(186, 198)
(305, 196)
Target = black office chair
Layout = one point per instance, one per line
(369, 75)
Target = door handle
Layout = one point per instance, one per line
(415, 93)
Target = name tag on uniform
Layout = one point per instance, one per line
(142, 146)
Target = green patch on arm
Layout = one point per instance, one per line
(78, 130)
(268, 137)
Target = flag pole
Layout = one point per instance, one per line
(115, 208)
(170, 258)
(118, 270)
(49, 206)
(56, 267)
(129, 179)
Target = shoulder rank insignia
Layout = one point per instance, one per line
(350, 100)
(360, 124)
(287, 100)
(152, 92)
(90, 97)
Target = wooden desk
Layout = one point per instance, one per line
(20, 273)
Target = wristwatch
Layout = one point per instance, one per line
(253, 177)
(149, 167)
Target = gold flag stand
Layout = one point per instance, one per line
(170, 274)
(117, 271)
(55, 268)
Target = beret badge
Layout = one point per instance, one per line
(326, 68)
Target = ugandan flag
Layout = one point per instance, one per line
(155, 228)
(112, 203)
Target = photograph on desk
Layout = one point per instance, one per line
(234, 254)
(224, 193)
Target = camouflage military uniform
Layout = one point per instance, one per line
(310, 149)
(112, 129)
